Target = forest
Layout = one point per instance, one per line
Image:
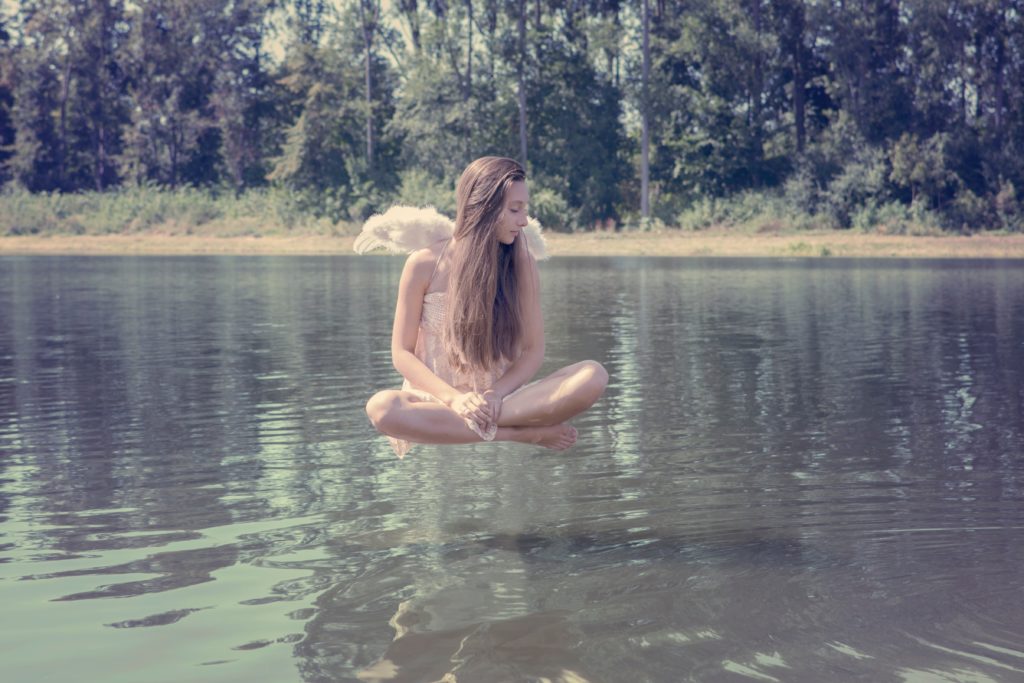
(848, 114)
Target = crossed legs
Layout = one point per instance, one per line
(535, 414)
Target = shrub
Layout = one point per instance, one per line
(1008, 208)
(860, 183)
(418, 187)
(895, 218)
(800, 192)
(968, 212)
(552, 210)
(700, 215)
(750, 211)
(147, 208)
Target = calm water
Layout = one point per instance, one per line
(801, 471)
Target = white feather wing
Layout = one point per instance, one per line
(535, 240)
(403, 229)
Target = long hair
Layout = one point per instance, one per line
(484, 320)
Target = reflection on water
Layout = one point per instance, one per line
(801, 471)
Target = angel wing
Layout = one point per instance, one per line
(535, 241)
(404, 229)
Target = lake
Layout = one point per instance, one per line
(804, 470)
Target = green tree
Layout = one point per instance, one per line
(309, 21)
(920, 166)
(99, 109)
(6, 98)
(172, 135)
(842, 105)
(197, 83)
(244, 97)
(718, 100)
(865, 42)
(325, 151)
(42, 67)
(443, 119)
(69, 106)
(575, 133)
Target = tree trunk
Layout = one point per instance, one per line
(65, 92)
(469, 53)
(979, 69)
(369, 108)
(172, 151)
(963, 85)
(492, 43)
(758, 68)
(369, 28)
(1000, 66)
(645, 169)
(799, 78)
(618, 59)
(100, 105)
(101, 156)
(799, 113)
(521, 77)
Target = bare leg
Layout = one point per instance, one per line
(404, 415)
(558, 397)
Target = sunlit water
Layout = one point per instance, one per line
(801, 471)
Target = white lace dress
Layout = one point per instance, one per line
(430, 350)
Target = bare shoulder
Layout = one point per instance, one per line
(420, 264)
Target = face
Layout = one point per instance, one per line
(513, 214)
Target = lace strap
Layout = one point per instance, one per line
(436, 264)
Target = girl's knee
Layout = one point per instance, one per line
(381, 407)
(594, 379)
(597, 375)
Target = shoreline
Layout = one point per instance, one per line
(669, 243)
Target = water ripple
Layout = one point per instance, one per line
(799, 472)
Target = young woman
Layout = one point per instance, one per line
(468, 332)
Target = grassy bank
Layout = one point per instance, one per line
(144, 210)
(665, 243)
(148, 221)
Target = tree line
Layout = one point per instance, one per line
(846, 111)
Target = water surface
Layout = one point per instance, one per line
(801, 471)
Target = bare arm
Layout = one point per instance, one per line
(411, 289)
(532, 343)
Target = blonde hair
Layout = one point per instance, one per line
(484, 320)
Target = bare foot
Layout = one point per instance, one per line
(556, 437)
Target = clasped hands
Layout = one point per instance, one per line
(483, 408)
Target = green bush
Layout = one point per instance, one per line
(700, 215)
(800, 192)
(968, 212)
(749, 212)
(1009, 210)
(552, 210)
(418, 187)
(145, 208)
(861, 183)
